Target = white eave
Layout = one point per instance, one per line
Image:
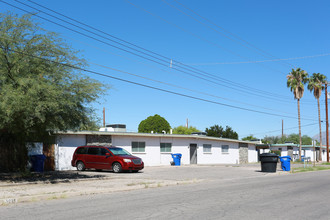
(133, 134)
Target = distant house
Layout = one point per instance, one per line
(156, 149)
(291, 149)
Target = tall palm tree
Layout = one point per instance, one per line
(296, 80)
(315, 85)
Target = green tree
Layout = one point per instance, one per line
(296, 80)
(249, 138)
(315, 85)
(219, 131)
(184, 130)
(230, 133)
(38, 96)
(154, 123)
(214, 131)
(293, 138)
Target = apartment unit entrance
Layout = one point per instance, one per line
(193, 153)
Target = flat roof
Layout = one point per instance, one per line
(135, 134)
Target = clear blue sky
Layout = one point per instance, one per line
(233, 46)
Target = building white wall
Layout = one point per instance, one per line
(64, 149)
(66, 145)
(153, 157)
(253, 154)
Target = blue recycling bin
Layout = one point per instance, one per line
(38, 162)
(285, 163)
(177, 159)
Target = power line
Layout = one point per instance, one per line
(281, 129)
(248, 89)
(176, 86)
(156, 88)
(197, 36)
(196, 76)
(259, 61)
(234, 35)
(236, 88)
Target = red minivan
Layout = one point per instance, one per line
(107, 158)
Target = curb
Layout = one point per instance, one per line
(127, 186)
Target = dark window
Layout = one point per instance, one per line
(207, 148)
(166, 147)
(81, 150)
(138, 146)
(93, 150)
(104, 151)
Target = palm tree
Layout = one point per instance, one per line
(296, 80)
(315, 85)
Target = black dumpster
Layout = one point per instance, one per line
(268, 162)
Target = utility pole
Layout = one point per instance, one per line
(313, 142)
(327, 121)
(103, 117)
(282, 129)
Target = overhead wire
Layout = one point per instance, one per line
(175, 86)
(197, 36)
(156, 88)
(237, 89)
(158, 62)
(234, 35)
(259, 61)
(266, 132)
(248, 91)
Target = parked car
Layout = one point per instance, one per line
(105, 158)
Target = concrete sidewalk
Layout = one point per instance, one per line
(93, 182)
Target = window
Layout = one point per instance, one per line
(93, 150)
(103, 151)
(225, 149)
(207, 148)
(165, 147)
(138, 146)
(82, 150)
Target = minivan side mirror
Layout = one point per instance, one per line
(108, 154)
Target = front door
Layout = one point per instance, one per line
(243, 153)
(193, 153)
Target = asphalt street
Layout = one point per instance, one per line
(292, 196)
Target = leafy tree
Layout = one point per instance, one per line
(154, 123)
(315, 85)
(38, 94)
(294, 138)
(214, 131)
(184, 130)
(296, 80)
(230, 133)
(249, 138)
(218, 131)
(272, 140)
(305, 140)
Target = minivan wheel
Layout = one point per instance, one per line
(116, 167)
(80, 166)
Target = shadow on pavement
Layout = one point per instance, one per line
(49, 177)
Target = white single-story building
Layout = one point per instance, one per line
(156, 149)
(290, 149)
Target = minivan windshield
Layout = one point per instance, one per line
(118, 151)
